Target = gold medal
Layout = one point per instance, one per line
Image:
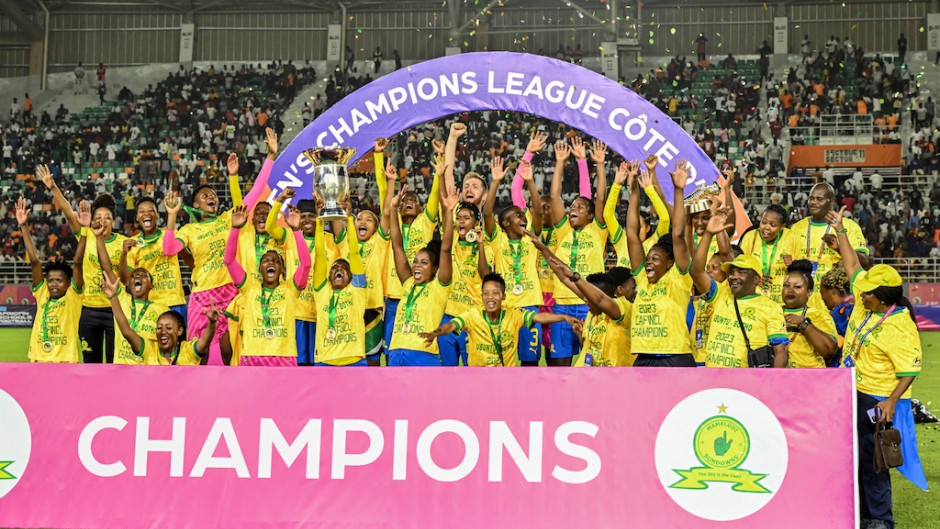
(47, 346)
(406, 328)
(269, 334)
(471, 236)
(517, 290)
(330, 334)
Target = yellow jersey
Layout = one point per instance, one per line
(546, 276)
(607, 340)
(809, 245)
(493, 343)
(342, 311)
(374, 253)
(415, 236)
(763, 320)
(583, 250)
(800, 352)
(658, 320)
(306, 308)
(883, 348)
(466, 290)
(421, 310)
(253, 245)
(700, 327)
(167, 279)
(54, 337)
(267, 318)
(93, 295)
(518, 262)
(770, 258)
(206, 240)
(142, 317)
(186, 355)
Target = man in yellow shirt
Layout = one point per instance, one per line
(493, 332)
(58, 300)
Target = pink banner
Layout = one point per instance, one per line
(204, 447)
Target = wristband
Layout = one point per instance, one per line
(844, 231)
(804, 325)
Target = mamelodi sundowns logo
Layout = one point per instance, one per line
(15, 443)
(721, 454)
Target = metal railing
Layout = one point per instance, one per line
(838, 129)
(760, 190)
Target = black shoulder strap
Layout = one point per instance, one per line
(737, 312)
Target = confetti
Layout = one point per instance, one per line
(672, 31)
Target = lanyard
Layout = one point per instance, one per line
(50, 305)
(765, 264)
(858, 342)
(412, 298)
(515, 248)
(135, 320)
(266, 306)
(496, 337)
(822, 245)
(334, 303)
(575, 243)
(198, 213)
(261, 242)
(405, 236)
(173, 356)
(143, 242)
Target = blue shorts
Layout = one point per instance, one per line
(361, 362)
(453, 347)
(410, 357)
(391, 309)
(183, 311)
(530, 340)
(564, 340)
(306, 341)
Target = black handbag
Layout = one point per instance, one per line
(760, 357)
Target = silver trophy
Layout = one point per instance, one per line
(330, 181)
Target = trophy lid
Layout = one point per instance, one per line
(330, 155)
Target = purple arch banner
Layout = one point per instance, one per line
(545, 87)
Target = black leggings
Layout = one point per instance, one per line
(649, 360)
(96, 329)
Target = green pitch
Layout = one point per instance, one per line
(912, 507)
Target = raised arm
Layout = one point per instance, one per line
(270, 224)
(124, 269)
(234, 186)
(78, 264)
(213, 314)
(561, 270)
(262, 181)
(320, 263)
(433, 208)
(849, 258)
(498, 172)
(385, 210)
(235, 270)
(110, 287)
(716, 225)
(449, 199)
(729, 198)
(443, 330)
(173, 203)
(536, 143)
(378, 162)
(613, 199)
(356, 266)
(579, 150)
(652, 163)
(45, 175)
(634, 244)
(680, 241)
(526, 168)
(562, 152)
(22, 218)
(599, 154)
(450, 150)
(483, 267)
(104, 260)
(598, 300)
(402, 266)
(302, 274)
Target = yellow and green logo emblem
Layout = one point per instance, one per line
(4, 473)
(721, 444)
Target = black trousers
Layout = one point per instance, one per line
(874, 489)
(643, 360)
(96, 329)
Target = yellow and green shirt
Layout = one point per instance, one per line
(142, 316)
(347, 343)
(206, 240)
(421, 309)
(91, 273)
(167, 279)
(583, 250)
(518, 262)
(606, 339)
(658, 320)
(763, 321)
(493, 343)
(770, 258)
(56, 323)
(800, 352)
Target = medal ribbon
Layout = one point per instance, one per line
(334, 303)
(412, 298)
(261, 242)
(858, 342)
(266, 306)
(496, 341)
(135, 320)
(765, 264)
(575, 243)
(515, 248)
(173, 357)
(822, 245)
(51, 304)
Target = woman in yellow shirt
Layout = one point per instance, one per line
(883, 345)
(813, 337)
(169, 346)
(770, 242)
(425, 286)
(658, 331)
(96, 327)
